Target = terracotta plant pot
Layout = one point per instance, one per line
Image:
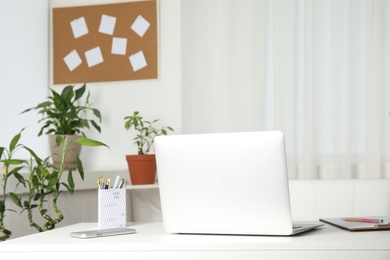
(142, 168)
(71, 157)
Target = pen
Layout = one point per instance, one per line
(121, 183)
(101, 182)
(116, 182)
(368, 220)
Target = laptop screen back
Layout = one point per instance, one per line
(224, 183)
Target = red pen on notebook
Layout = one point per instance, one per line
(368, 220)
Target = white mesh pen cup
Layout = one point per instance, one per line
(112, 208)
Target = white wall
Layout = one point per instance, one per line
(27, 79)
(200, 50)
(23, 68)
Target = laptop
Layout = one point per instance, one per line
(225, 183)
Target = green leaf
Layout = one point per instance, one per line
(32, 153)
(89, 142)
(1, 151)
(80, 168)
(15, 199)
(2, 205)
(52, 181)
(13, 161)
(70, 182)
(97, 127)
(68, 188)
(60, 139)
(79, 92)
(34, 181)
(20, 178)
(37, 196)
(14, 142)
(67, 94)
(96, 112)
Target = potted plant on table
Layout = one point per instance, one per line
(142, 166)
(44, 184)
(65, 115)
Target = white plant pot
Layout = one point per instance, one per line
(74, 150)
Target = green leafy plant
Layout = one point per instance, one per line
(44, 183)
(67, 113)
(145, 130)
(11, 167)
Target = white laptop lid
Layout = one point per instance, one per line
(225, 183)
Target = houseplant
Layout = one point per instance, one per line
(44, 183)
(6, 157)
(142, 166)
(67, 114)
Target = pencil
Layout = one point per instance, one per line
(368, 220)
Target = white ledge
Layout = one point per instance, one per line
(91, 175)
(141, 186)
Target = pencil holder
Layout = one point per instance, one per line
(112, 208)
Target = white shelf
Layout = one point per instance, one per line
(91, 174)
(141, 186)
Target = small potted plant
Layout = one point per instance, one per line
(142, 166)
(66, 114)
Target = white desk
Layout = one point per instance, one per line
(151, 242)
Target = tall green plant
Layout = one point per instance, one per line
(11, 167)
(66, 113)
(44, 183)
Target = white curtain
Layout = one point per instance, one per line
(319, 70)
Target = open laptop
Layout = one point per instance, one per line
(225, 183)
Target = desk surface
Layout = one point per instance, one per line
(151, 240)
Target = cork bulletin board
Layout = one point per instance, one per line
(108, 42)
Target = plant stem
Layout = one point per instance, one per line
(49, 224)
(6, 233)
(31, 221)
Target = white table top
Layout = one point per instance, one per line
(152, 237)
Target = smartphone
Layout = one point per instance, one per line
(102, 232)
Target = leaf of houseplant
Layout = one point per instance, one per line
(90, 142)
(20, 178)
(80, 168)
(52, 181)
(13, 161)
(80, 92)
(15, 199)
(14, 142)
(70, 182)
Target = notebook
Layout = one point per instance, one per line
(225, 183)
(361, 223)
